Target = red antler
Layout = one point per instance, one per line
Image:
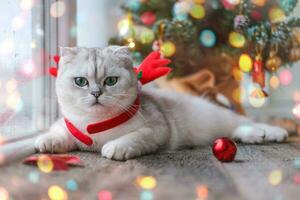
(152, 67)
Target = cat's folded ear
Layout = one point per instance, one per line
(68, 53)
(123, 53)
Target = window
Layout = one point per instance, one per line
(24, 84)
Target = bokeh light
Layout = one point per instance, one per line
(45, 163)
(296, 96)
(125, 27)
(4, 195)
(26, 4)
(276, 15)
(11, 85)
(146, 195)
(274, 82)
(72, 185)
(146, 182)
(7, 46)
(285, 77)
(259, 2)
(57, 9)
(57, 193)
(296, 111)
(238, 75)
(296, 178)
(33, 177)
(208, 38)
(104, 195)
(296, 163)
(202, 192)
(197, 11)
(18, 23)
(275, 177)
(147, 36)
(28, 68)
(245, 63)
(168, 49)
(239, 94)
(236, 39)
(14, 101)
(33, 44)
(257, 98)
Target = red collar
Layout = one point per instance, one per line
(103, 125)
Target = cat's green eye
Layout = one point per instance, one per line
(81, 81)
(111, 80)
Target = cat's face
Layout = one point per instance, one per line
(94, 80)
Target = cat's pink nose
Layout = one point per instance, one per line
(96, 94)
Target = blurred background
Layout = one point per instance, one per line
(32, 30)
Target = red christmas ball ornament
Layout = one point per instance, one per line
(148, 18)
(224, 149)
(256, 15)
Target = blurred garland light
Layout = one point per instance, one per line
(236, 39)
(208, 38)
(147, 36)
(285, 77)
(168, 48)
(274, 82)
(259, 3)
(125, 27)
(197, 11)
(245, 63)
(276, 15)
(296, 111)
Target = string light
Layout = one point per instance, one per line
(236, 39)
(245, 63)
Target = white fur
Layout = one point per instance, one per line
(165, 120)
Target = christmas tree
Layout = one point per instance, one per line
(225, 36)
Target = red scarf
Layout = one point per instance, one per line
(152, 67)
(103, 125)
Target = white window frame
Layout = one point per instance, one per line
(19, 147)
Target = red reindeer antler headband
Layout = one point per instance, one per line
(151, 68)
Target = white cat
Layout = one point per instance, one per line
(95, 84)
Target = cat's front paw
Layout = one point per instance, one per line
(119, 150)
(259, 133)
(51, 143)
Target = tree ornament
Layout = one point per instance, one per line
(273, 62)
(168, 49)
(237, 39)
(256, 15)
(258, 74)
(148, 18)
(241, 22)
(224, 149)
(208, 38)
(197, 11)
(245, 63)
